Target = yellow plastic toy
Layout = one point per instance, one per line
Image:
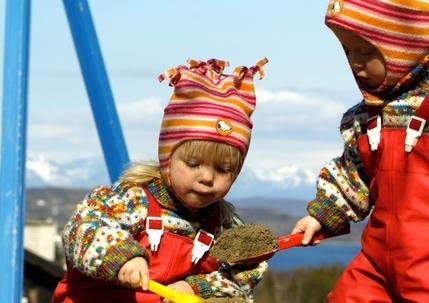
(172, 295)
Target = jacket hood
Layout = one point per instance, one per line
(399, 29)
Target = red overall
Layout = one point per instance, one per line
(170, 263)
(393, 265)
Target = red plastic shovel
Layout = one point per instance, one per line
(288, 241)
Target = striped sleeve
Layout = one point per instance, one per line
(342, 191)
(98, 239)
(228, 282)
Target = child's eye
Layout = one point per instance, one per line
(192, 162)
(224, 169)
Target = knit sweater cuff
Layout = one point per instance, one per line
(118, 255)
(331, 216)
(200, 286)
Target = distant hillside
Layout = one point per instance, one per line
(279, 215)
(55, 203)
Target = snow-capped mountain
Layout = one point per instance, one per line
(81, 173)
(288, 181)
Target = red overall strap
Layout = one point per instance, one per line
(153, 207)
(423, 110)
(416, 125)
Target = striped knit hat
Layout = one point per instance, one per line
(208, 105)
(399, 29)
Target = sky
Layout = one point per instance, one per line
(308, 84)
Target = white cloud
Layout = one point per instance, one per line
(43, 167)
(293, 175)
(288, 105)
(280, 175)
(294, 130)
(141, 109)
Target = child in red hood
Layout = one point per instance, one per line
(385, 164)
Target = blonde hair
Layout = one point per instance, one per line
(144, 172)
(140, 172)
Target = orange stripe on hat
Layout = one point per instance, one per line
(371, 19)
(412, 57)
(420, 5)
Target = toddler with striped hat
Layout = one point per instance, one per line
(159, 221)
(383, 173)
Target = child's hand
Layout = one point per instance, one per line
(181, 287)
(309, 226)
(134, 273)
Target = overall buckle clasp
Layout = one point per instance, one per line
(202, 243)
(154, 230)
(374, 131)
(414, 131)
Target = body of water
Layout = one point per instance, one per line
(313, 256)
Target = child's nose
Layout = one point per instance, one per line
(207, 175)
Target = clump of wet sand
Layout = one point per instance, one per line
(244, 241)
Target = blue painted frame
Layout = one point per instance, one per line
(13, 148)
(14, 126)
(97, 86)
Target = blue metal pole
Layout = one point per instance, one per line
(13, 149)
(97, 86)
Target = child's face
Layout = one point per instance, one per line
(365, 60)
(199, 182)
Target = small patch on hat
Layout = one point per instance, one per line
(336, 7)
(223, 127)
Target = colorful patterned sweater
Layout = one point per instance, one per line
(100, 237)
(342, 187)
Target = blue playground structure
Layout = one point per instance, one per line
(14, 125)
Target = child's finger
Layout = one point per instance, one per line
(134, 278)
(308, 235)
(144, 281)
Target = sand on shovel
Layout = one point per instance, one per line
(243, 241)
(225, 300)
